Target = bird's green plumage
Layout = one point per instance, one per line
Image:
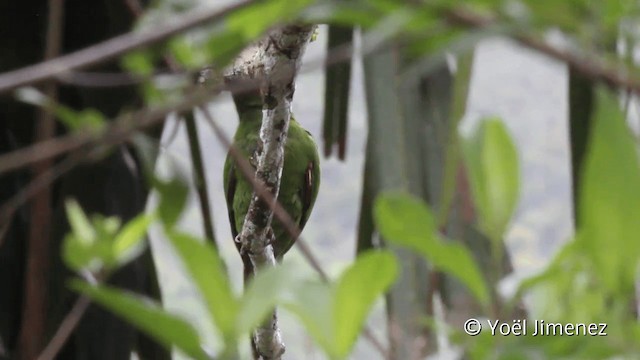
(298, 186)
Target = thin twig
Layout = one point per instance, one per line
(199, 177)
(58, 146)
(37, 185)
(116, 132)
(65, 329)
(115, 135)
(101, 79)
(135, 7)
(112, 48)
(618, 76)
(55, 147)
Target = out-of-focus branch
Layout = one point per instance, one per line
(199, 177)
(116, 134)
(119, 129)
(276, 59)
(66, 329)
(112, 48)
(590, 67)
(34, 314)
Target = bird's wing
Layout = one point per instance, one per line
(230, 182)
(308, 192)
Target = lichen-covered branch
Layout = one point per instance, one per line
(276, 60)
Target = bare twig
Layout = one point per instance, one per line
(117, 131)
(36, 186)
(101, 79)
(65, 329)
(615, 76)
(199, 177)
(112, 48)
(115, 135)
(34, 315)
(43, 150)
(135, 7)
(58, 146)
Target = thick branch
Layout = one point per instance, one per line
(276, 59)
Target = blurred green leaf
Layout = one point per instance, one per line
(184, 52)
(173, 198)
(204, 266)
(267, 288)
(80, 255)
(355, 294)
(146, 315)
(407, 221)
(247, 24)
(311, 303)
(86, 120)
(100, 244)
(253, 21)
(225, 45)
(609, 197)
(129, 243)
(492, 160)
(567, 14)
(332, 314)
(81, 248)
(139, 62)
(80, 225)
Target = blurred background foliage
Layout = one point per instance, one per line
(435, 206)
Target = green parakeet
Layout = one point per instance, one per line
(298, 186)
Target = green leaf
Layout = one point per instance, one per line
(492, 160)
(87, 120)
(139, 62)
(259, 17)
(89, 246)
(80, 249)
(407, 221)
(311, 302)
(80, 225)
(355, 294)
(205, 268)
(265, 290)
(128, 243)
(609, 197)
(173, 198)
(78, 255)
(146, 315)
